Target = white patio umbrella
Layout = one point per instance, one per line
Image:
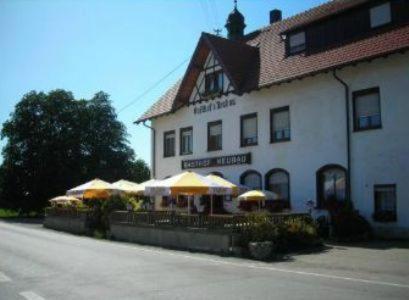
(94, 189)
(127, 187)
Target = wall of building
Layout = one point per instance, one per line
(318, 135)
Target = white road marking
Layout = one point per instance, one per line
(29, 295)
(4, 278)
(266, 267)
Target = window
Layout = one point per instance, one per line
(248, 126)
(214, 82)
(278, 182)
(169, 143)
(385, 203)
(367, 109)
(331, 185)
(186, 141)
(296, 42)
(380, 15)
(217, 174)
(251, 179)
(280, 124)
(214, 136)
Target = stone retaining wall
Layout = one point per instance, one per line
(69, 224)
(178, 238)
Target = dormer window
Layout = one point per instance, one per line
(214, 82)
(296, 43)
(380, 15)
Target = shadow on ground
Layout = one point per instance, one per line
(17, 220)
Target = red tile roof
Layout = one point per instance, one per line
(273, 67)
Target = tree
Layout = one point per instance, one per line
(55, 142)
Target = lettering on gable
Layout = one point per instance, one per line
(214, 105)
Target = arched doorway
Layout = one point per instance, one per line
(331, 184)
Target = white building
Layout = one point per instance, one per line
(313, 107)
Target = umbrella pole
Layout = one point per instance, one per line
(211, 205)
(188, 205)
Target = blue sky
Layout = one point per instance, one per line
(120, 47)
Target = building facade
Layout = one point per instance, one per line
(313, 107)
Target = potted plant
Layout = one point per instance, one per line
(260, 236)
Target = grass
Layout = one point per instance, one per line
(8, 213)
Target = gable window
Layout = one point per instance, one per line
(278, 182)
(367, 109)
(214, 82)
(296, 42)
(331, 185)
(280, 124)
(214, 136)
(251, 179)
(248, 132)
(385, 203)
(186, 141)
(169, 143)
(380, 15)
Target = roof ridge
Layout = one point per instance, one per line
(289, 19)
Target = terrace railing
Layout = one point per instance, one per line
(206, 222)
(66, 212)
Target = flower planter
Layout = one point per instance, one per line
(261, 250)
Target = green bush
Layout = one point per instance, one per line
(260, 229)
(296, 234)
(291, 234)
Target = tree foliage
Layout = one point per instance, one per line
(55, 142)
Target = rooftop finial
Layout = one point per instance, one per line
(235, 24)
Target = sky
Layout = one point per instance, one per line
(122, 47)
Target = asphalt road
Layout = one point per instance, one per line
(37, 263)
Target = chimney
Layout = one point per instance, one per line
(275, 16)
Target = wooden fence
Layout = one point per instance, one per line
(215, 222)
(66, 212)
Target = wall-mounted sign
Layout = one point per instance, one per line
(237, 159)
(213, 105)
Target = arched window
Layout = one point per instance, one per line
(278, 181)
(251, 179)
(217, 174)
(331, 184)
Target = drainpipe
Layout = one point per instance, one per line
(348, 132)
(153, 159)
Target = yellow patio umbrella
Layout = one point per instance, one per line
(64, 200)
(94, 189)
(258, 196)
(127, 187)
(188, 183)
